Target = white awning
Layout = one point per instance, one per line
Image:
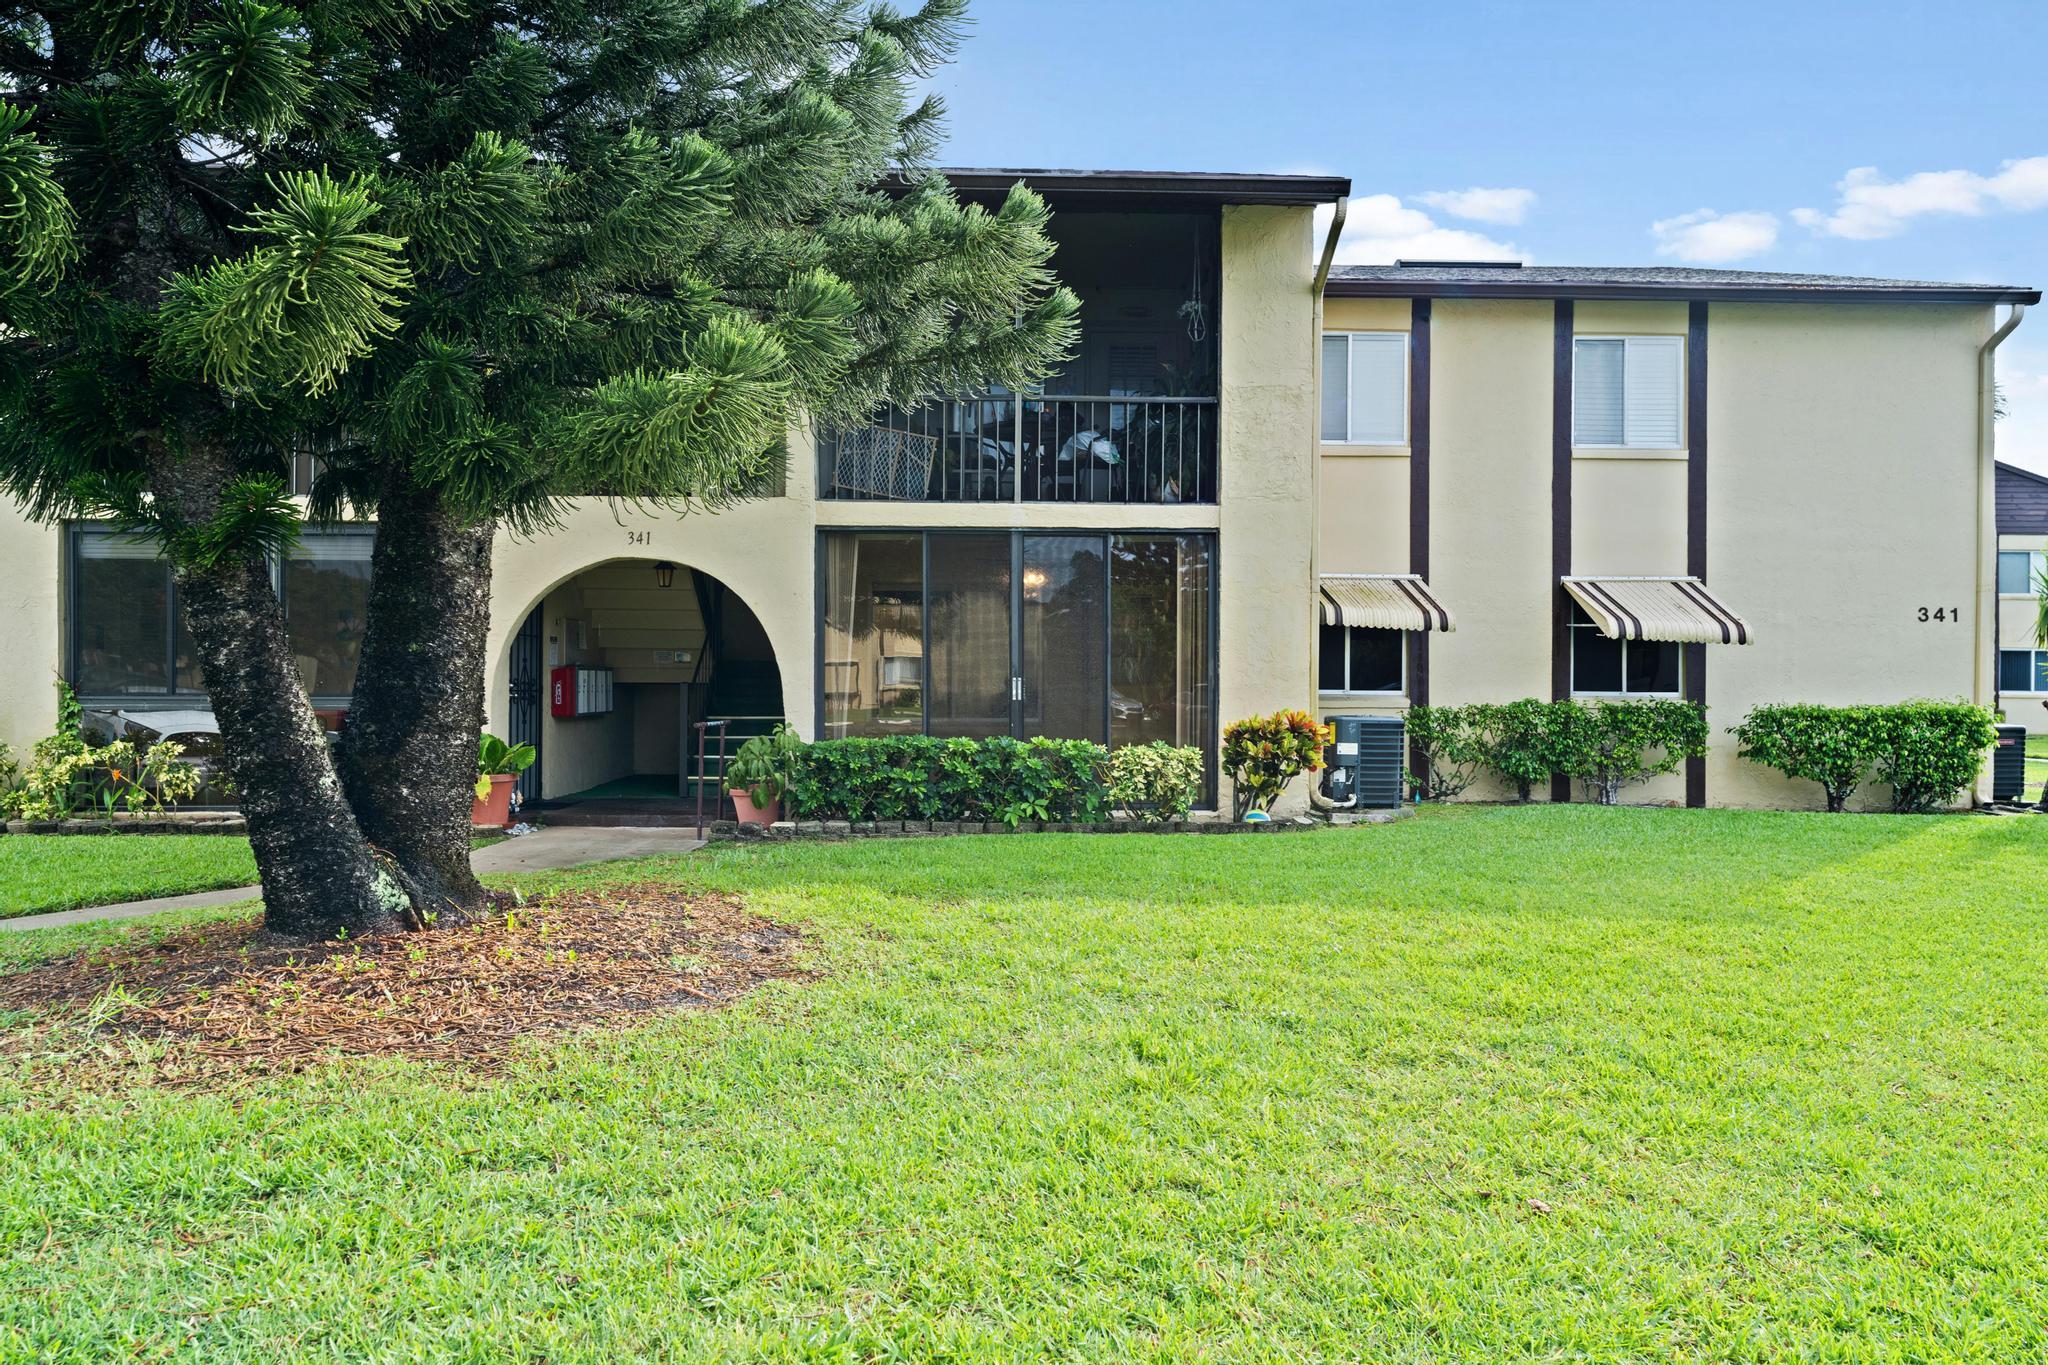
(1398, 601)
(1679, 609)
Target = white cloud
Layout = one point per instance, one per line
(1380, 230)
(1871, 206)
(1704, 237)
(1506, 207)
(2022, 433)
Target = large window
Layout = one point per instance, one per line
(2020, 572)
(128, 636)
(2023, 670)
(1604, 667)
(1360, 659)
(1628, 392)
(326, 598)
(1365, 388)
(1079, 635)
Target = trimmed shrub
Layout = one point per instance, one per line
(1518, 740)
(1155, 781)
(1263, 754)
(1835, 746)
(1451, 745)
(1609, 744)
(1929, 751)
(917, 777)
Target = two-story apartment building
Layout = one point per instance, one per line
(1731, 486)
(1243, 492)
(2022, 577)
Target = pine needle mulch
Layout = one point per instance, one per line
(206, 1006)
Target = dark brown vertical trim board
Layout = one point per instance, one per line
(1418, 497)
(1696, 518)
(1561, 518)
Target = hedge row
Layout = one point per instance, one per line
(1004, 780)
(1926, 752)
(1603, 744)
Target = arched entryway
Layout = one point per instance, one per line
(608, 676)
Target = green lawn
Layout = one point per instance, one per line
(56, 872)
(1487, 1084)
(2037, 766)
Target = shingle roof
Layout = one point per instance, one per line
(2022, 501)
(1479, 279)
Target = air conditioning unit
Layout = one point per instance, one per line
(1366, 762)
(575, 691)
(2009, 764)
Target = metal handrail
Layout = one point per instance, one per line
(703, 728)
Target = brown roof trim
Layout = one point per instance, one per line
(1161, 189)
(1338, 288)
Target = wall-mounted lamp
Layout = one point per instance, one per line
(664, 574)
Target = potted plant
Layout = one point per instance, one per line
(760, 772)
(498, 766)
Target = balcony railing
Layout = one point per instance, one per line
(1028, 448)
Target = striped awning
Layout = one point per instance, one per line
(1394, 601)
(1679, 609)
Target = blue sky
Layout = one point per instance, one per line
(1874, 138)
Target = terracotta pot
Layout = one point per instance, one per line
(751, 814)
(495, 809)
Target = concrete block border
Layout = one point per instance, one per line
(796, 831)
(162, 822)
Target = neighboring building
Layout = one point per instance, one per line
(1234, 491)
(1733, 486)
(2022, 572)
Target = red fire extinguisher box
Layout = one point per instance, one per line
(575, 691)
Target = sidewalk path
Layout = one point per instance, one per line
(561, 846)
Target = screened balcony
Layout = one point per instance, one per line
(1130, 418)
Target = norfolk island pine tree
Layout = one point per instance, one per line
(479, 259)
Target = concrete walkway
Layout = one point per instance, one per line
(543, 849)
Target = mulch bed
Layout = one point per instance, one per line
(204, 1006)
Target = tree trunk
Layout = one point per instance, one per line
(408, 752)
(320, 878)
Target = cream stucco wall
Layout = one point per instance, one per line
(1490, 373)
(1266, 573)
(31, 624)
(1842, 498)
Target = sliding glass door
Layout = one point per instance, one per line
(1072, 635)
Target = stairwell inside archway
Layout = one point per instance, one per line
(688, 652)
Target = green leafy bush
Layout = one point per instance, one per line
(66, 776)
(1452, 747)
(766, 765)
(1835, 746)
(1609, 744)
(1518, 740)
(1155, 781)
(917, 777)
(1262, 754)
(1929, 751)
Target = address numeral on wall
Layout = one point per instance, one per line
(639, 537)
(1933, 614)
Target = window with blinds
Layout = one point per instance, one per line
(1628, 392)
(1365, 388)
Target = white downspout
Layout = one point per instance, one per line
(1315, 431)
(1315, 435)
(1986, 616)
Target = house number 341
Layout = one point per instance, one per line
(639, 537)
(1930, 614)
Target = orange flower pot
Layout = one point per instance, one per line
(495, 809)
(751, 814)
